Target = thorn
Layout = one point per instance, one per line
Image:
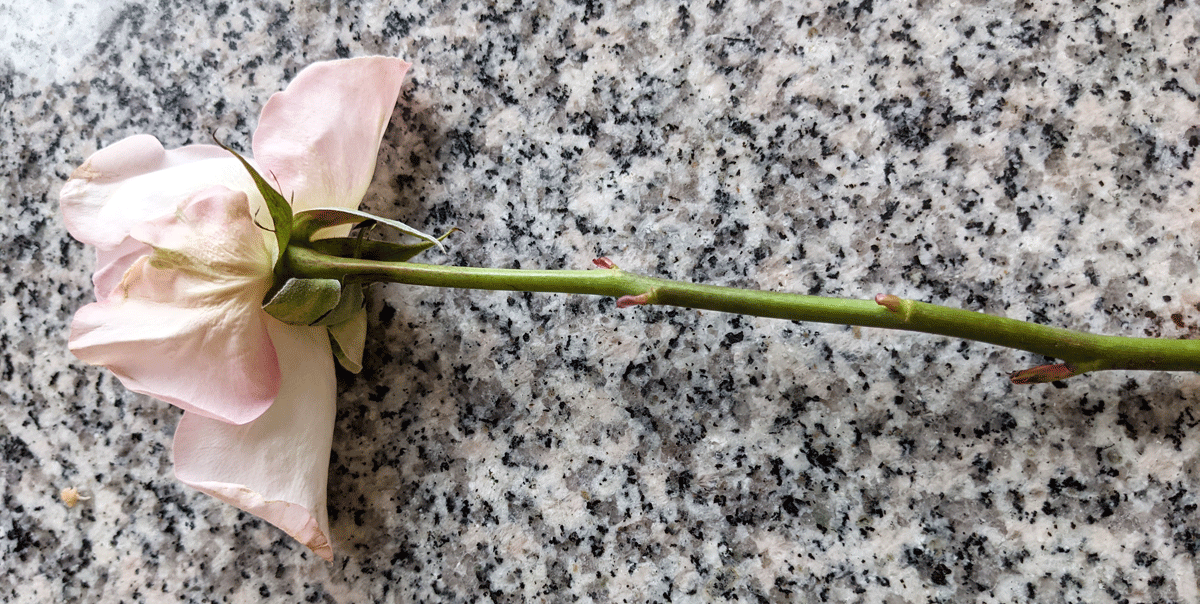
(604, 262)
(889, 302)
(638, 300)
(1044, 374)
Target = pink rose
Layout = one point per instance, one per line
(181, 271)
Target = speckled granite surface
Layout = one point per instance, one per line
(1036, 160)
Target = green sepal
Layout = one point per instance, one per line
(326, 303)
(351, 301)
(279, 208)
(382, 251)
(349, 336)
(308, 222)
(304, 301)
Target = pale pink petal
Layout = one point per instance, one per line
(193, 333)
(320, 137)
(275, 467)
(181, 271)
(112, 264)
(135, 179)
(213, 236)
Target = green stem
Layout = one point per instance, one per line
(1081, 352)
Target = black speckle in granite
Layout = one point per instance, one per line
(20, 539)
(8, 371)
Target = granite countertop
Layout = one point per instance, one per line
(1036, 161)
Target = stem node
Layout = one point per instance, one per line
(895, 304)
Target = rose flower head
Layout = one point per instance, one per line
(184, 257)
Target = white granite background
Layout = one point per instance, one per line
(1036, 160)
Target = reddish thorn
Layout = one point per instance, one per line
(888, 301)
(1043, 374)
(638, 300)
(604, 262)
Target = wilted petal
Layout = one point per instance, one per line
(191, 332)
(321, 135)
(275, 467)
(135, 179)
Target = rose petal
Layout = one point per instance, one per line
(111, 265)
(136, 179)
(191, 335)
(275, 467)
(212, 236)
(320, 137)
